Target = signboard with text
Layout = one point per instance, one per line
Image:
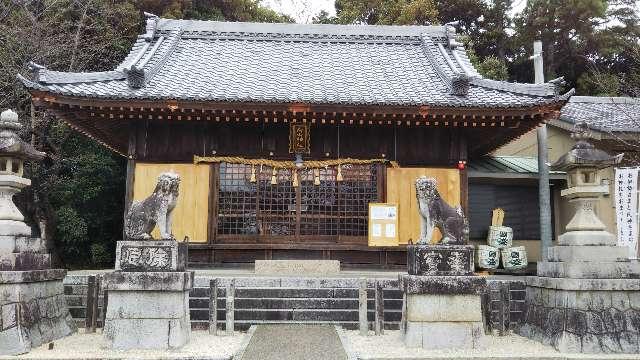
(626, 188)
(383, 224)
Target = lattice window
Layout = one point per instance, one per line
(358, 189)
(277, 203)
(237, 200)
(331, 208)
(319, 203)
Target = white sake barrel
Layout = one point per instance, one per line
(514, 258)
(500, 237)
(487, 257)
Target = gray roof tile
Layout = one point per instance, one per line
(333, 64)
(603, 113)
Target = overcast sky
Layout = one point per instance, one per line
(303, 11)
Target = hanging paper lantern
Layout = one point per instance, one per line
(295, 178)
(316, 177)
(274, 180)
(253, 174)
(339, 175)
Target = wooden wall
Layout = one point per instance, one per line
(402, 191)
(178, 141)
(192, 209)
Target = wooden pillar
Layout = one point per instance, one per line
(131, 168)
(362, 307)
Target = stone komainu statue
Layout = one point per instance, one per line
(436, 213)
(157, 209)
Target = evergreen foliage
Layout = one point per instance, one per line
(79, 189)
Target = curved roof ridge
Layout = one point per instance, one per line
(194, 26)
(547, 89)
(44, 75)
(605, 100)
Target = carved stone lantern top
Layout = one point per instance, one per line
(11, 146)
(584, 154)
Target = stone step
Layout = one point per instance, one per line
(596, 253)
(590, 270)
(24, 261)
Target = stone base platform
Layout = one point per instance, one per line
(297, 267)
(148, 310)
(442, 312)
(33, 310)
(584, 315)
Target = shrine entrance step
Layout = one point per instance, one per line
(295, 342)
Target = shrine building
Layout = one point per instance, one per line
(283, 134)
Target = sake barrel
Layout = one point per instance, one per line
(500, 237)
(514, 258)
(487, 257)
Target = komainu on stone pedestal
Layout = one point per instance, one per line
(148, 304)
(442, 306)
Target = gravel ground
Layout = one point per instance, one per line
(390, 346)
(295, 342)
(92, 346)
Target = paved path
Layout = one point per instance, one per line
(293, 342)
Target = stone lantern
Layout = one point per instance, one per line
(584, 185)
(31, 292)
(586, 285)
(13, 153)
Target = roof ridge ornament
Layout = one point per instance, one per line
(151, 26)
(36, 70)
(450, 32)
(460, 84)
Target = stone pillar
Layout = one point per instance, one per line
(148, 296)
(443, 298)
(33, 310)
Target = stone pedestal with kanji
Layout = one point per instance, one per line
(148, 304)
(442, 307)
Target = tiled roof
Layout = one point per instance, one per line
(507, 166)
(608, 114)
(289, 63)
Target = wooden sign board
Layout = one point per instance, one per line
(383, 224)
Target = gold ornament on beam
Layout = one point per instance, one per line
(253, 174)
(339, 175)
(274, 179)
(308, 164)
(316, 176)
(294, 175)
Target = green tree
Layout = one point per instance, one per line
(384, 12)
(577, 35)
(78, 191)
